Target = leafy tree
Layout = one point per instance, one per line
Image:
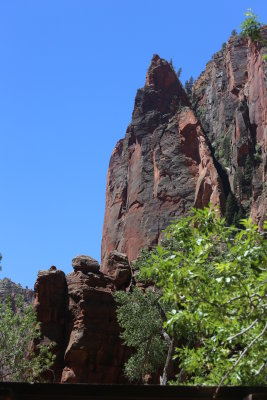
(213, 283)
(139, 315)
(251, 26)
(18, 330)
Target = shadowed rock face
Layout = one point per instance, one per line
(78, 313)
(159, 170)
(51, 304)
(230, 99)
(167, 163)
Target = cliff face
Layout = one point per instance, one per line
(176, 154)
(160, 169)
(77, 312)
(230, 99)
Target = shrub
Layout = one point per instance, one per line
(251, 26)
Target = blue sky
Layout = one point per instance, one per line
(69, 73)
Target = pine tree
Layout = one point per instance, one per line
(189, 85)
(248, 170)
(230, 209)
(178, 73)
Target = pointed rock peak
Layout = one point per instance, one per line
(160, 74)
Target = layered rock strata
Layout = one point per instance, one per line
(176, 154)
(230, 99)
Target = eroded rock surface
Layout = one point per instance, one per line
(51, 304)
(175, 155)
(230, 99)
(78, 313)
(85, 264)
(159, 170)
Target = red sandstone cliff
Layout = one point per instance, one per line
(77, 312)
(230, 99)
(160, 169)
(174, 155)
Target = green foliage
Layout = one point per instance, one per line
(251, 26)
(247, 178)
(139, 316)
(178, 73)
(264, 57)
(213, 279)
(223, 148)
(231, 208)
(258, 153)
(189, 86)
(18, 330)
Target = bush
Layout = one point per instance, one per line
(251, 26)
(18, 330)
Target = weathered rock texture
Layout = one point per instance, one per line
(51, 304)
(230, 99)
(78, 313)
(176, 154)
(9, 288)
(159, 170)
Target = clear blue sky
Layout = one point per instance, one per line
(69, 73)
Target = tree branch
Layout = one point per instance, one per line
(238, 360)
(168, 362)
(243, 331)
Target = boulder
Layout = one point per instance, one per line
(85, 264)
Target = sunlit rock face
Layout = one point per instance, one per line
(176, 154)
(160, 169)
(230, 99)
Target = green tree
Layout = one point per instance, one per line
(231, 208)
(251, 26)
(247, 178)
(189, 86)
(140, 316)
(213, 282)
(18, 331)
(178, 73)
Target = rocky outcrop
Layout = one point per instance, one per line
(176, 154)
(159, 170)
(77, 312)
(12, 289)
(51, 305)
(230, 99)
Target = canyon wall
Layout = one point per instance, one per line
(179, 151)
(230, 100)
(160, 169)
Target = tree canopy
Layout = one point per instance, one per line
(212, 281)
(18, 330)
(251, 26)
